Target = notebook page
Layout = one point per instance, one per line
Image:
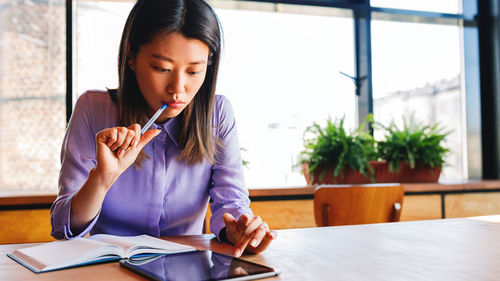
(64, 252)
(142, 244)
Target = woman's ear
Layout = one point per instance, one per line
(131, 63)
(210, 56)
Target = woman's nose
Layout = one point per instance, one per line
(177, 83)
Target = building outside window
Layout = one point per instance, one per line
(417, 76)
(32, 93)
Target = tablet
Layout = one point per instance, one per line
(198, 266)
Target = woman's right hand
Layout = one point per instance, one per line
(117, 148)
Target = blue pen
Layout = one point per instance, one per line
(153, 119)
(150, 122)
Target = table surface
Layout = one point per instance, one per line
(449, 249)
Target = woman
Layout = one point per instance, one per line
(115, 181)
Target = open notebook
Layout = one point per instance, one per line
(98, 248)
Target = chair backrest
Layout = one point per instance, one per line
(357, 204)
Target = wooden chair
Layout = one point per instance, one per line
(357, 204)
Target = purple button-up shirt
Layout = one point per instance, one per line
(165, 196)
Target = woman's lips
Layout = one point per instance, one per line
(175, 104)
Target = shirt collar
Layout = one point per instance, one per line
(170, 127)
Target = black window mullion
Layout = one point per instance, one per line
(488, 104)
(363, 63)
(69, 59)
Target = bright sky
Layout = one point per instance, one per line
(409, 55)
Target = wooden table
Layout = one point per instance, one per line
(450, 249)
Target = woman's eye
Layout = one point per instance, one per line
(161, 69)
(194, 72)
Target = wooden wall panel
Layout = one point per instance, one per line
(421, 207)
(285, 213)
(472, 204)
(23, 226)
(300, 213)
(281, 214)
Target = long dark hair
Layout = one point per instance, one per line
(193, 19)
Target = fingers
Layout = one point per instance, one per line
(137, 130)
(117, 148)
(252, 227)
(114, 137)
(229, 219)
(121, 139)
(248, 233)
(127, 142)
(258, 235)
(147, 137)
(234, 228)
(131, 140)
(107, 136)
(231, 228)
(121, 134)
(244, 219)
(265, 242)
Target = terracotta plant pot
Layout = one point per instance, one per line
(382, 174)
(419, 174)
(347, 176)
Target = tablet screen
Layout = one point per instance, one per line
(198, 266)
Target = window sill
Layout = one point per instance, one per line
(16, 199)
(27, 199)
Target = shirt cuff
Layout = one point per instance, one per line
(67, 229)
(68, 234)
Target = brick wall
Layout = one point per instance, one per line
(32, 93)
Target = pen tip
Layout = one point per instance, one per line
(164, 106)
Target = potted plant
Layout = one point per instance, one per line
(414, 152)
(332, 155)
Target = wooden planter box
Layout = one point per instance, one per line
(382, 174)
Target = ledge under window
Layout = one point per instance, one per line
(29, 199)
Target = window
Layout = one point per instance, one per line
(281, 73)
(98, 30)
(281, 69)
(32, 93)
(418, 75)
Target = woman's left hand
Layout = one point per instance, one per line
(248, 233)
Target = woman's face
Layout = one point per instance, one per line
(170, 70)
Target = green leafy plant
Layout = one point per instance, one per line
(332, 148)
(244, 162)
(417, 144)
